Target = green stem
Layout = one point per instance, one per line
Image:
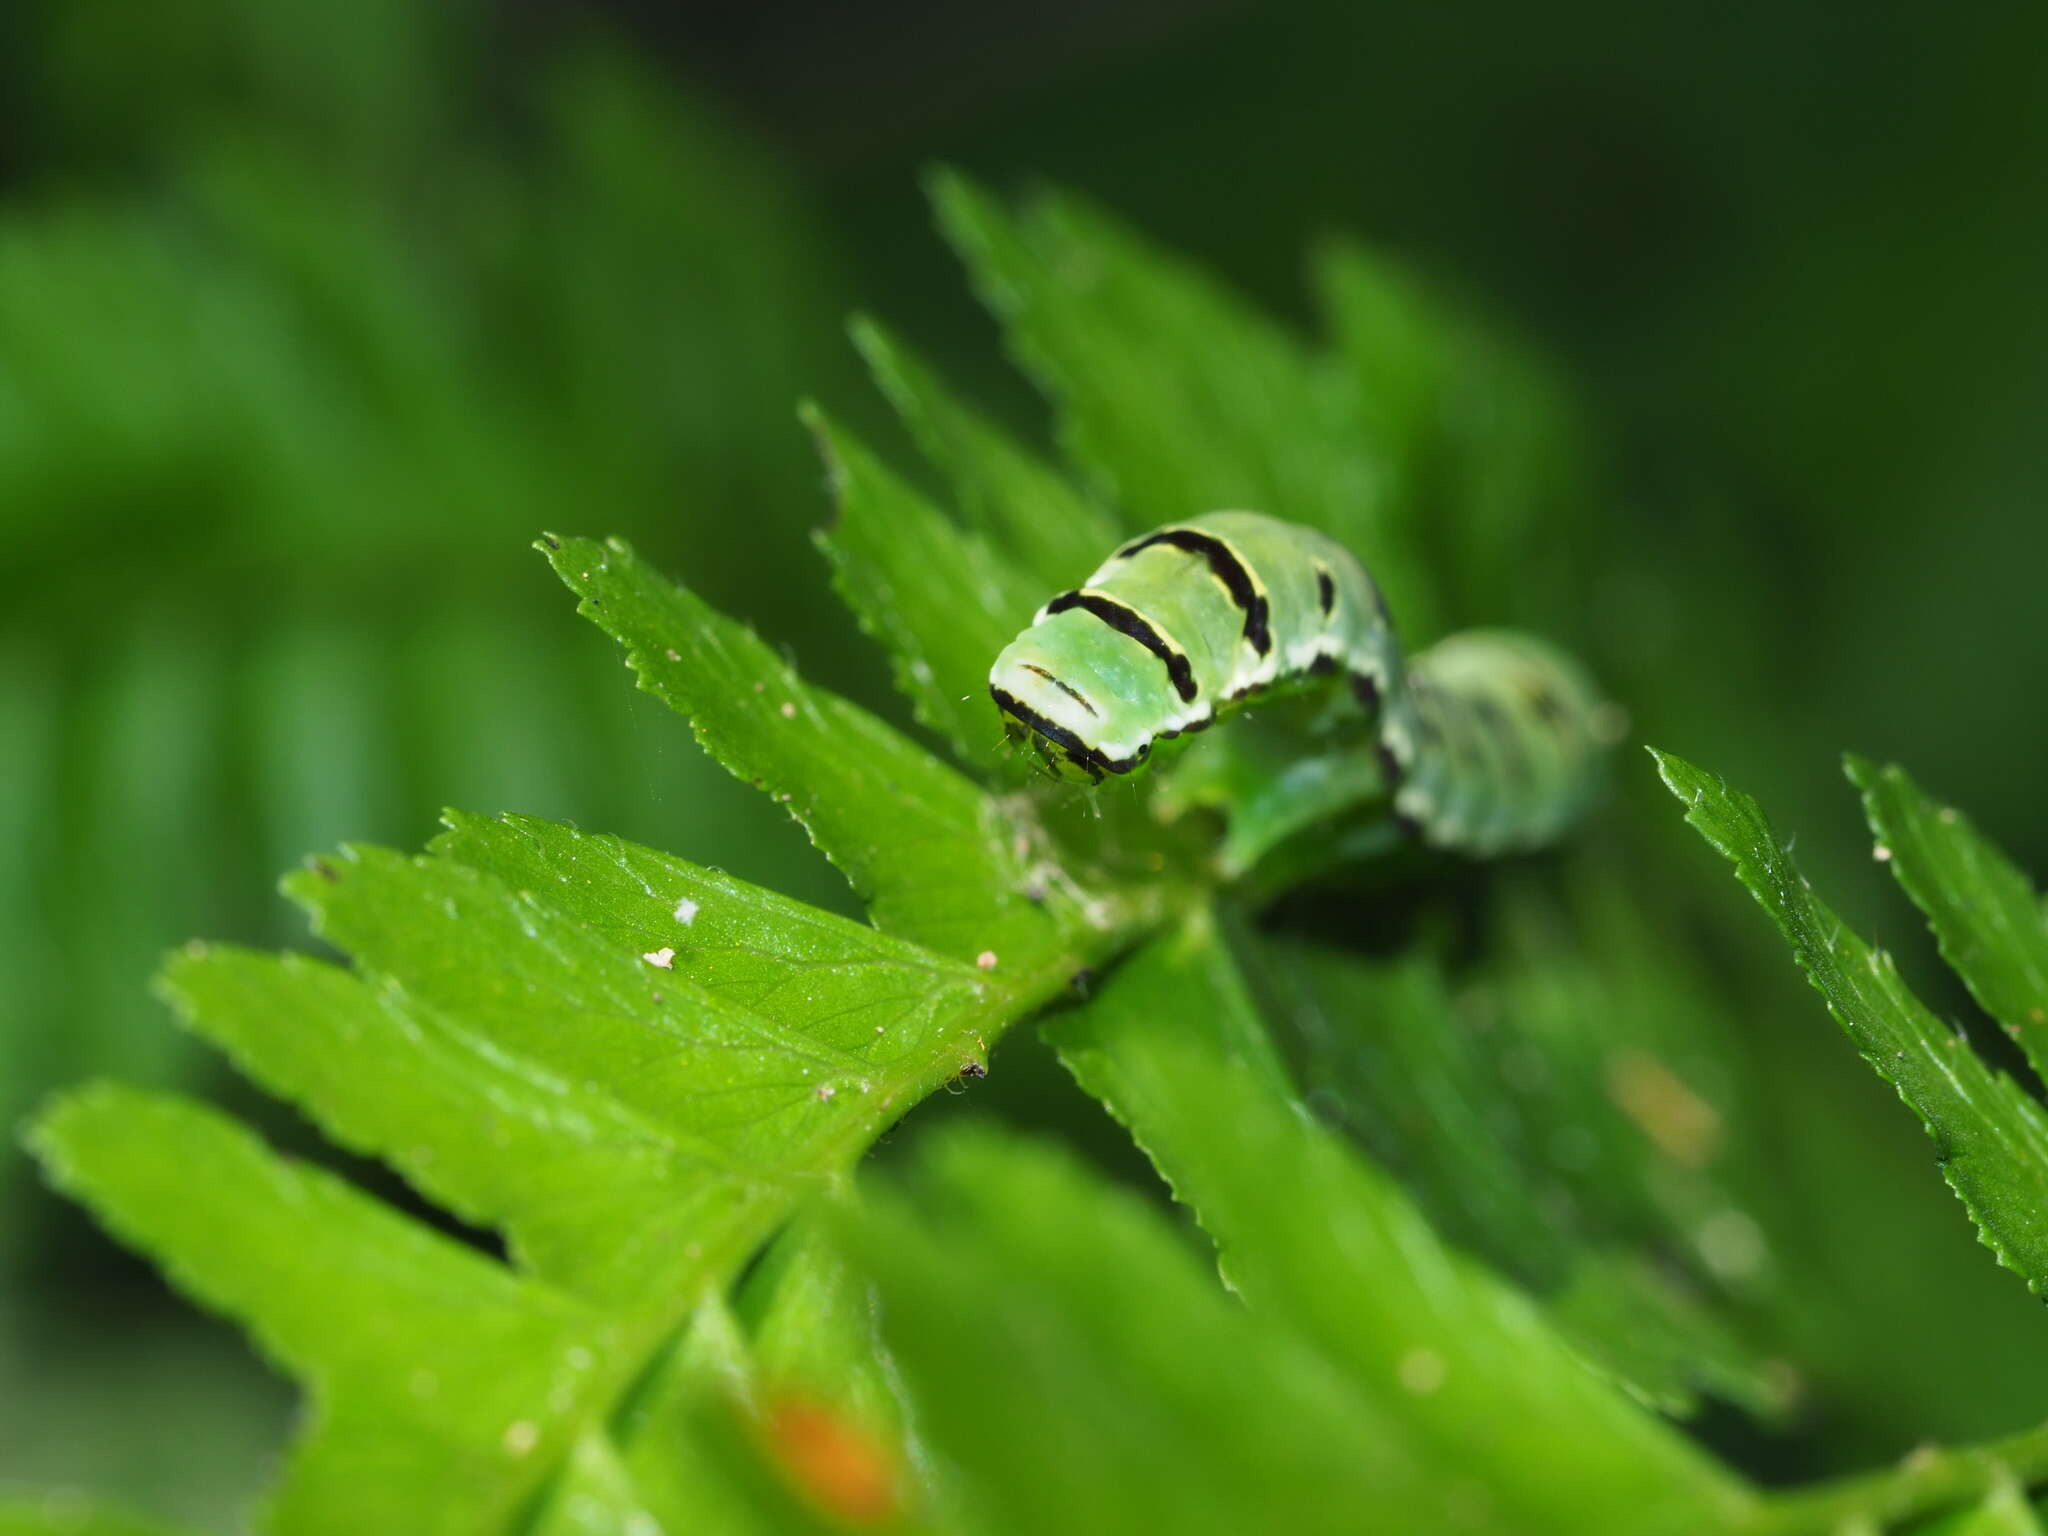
(1928, 1482)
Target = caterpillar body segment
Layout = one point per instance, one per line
(1514, 734)
(1488, 742)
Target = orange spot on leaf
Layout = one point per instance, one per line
(841, 1467)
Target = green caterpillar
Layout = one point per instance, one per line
(1487, 743)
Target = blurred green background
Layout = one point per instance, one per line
(312, 317)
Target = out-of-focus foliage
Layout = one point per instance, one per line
(298, 349)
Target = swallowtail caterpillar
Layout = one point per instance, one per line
(1488, 742)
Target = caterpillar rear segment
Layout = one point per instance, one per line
(1488, 742)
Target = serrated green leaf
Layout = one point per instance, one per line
(932, 855)
(1174, 1046)
(449, 1392)
(635, 1068)
(593, 1194)
(1077, 1371)
(1622, 1116)
(688, 1109)
(1985, 913)
(444, 1385)
(515, 964)
(944, 604)
(1176, 397)
(1383, 1051)
(937, 597)
(1467, 1091)
(751, 948)
(1991, 1139)
(1024, 506)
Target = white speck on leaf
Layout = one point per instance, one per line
(662, 959)
(686, 911)
(673, 654)
(986, 960)
(826, 1093)
(789, 711)
(1881, 853)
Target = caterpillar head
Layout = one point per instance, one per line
(1069, 690)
